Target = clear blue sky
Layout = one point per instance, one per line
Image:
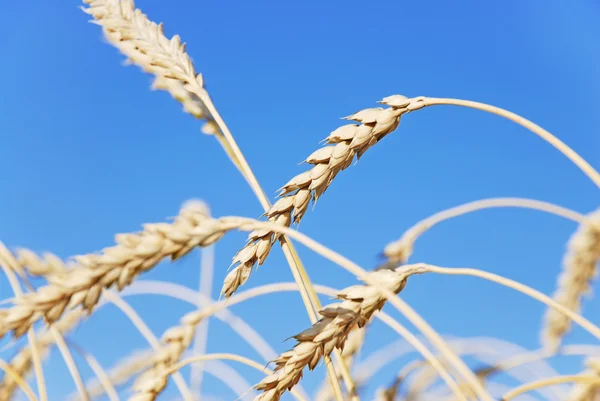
(88, 150)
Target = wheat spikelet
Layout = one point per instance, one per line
(579, 269)
(22, 362)
(345, 143)
(120, 264)
(175, 341)
(144, 43)
(352, 347)
(587, 391)
(358, 303)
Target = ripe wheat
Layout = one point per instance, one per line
(346, 142)
(331, 331)
(580, 268)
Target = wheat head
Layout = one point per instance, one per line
(579, 269)
(117, 265)
(358, 303)
(344, 144)
(144, 43)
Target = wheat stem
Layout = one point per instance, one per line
(515, 285)
(230, 357)
(536, 129)
(100, 373)
(64, 350)
(400, 250)
(207, 263)
(548, 382)
(14, 375)
(6, 263)
(145, 331)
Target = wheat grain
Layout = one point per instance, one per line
(295, 196)
(579, 269)
(120, 264)
(330, 332)
(352, 347)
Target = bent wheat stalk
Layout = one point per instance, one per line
(573, 156)
(398, 252)
(515, 392)
(579, 269)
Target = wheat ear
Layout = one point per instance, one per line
(351, 349)
(358, 303)
(345, 143)
(579, 269)
(120, 264)
(144, 43)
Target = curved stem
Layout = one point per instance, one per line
(309, 296)
(549, 382)
(515, 285)
(392, 298)
(64, 350)
(230, 357)
(393, 324)
(99, 371)
(183, 293)
(469, 207)
(536, 129)
(429, 357)
(18, 379)
(149, 336)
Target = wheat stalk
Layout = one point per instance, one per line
(579, 269)
(295, 196)
(120, 373)
(358, 303)
(22, 362)
(398, 251)
(551, 381)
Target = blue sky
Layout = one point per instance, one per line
(88, 150)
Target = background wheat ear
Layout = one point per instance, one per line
(579, 269)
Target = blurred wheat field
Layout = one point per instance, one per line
(329, 347)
